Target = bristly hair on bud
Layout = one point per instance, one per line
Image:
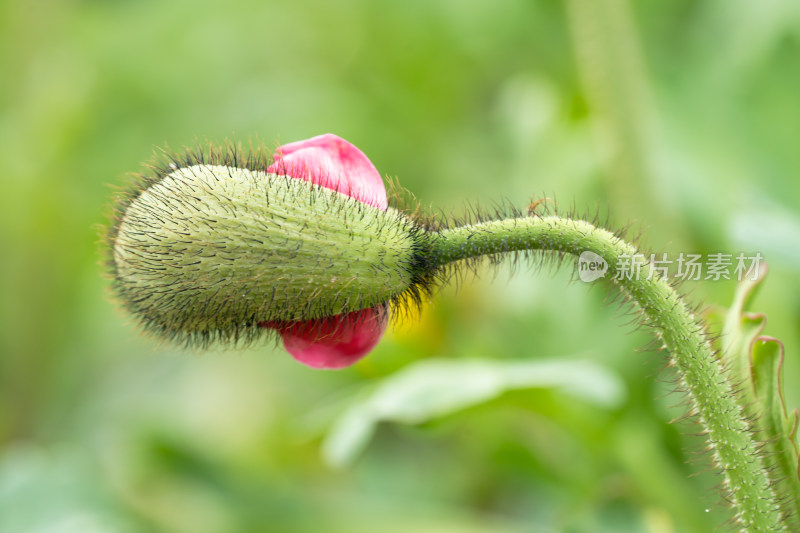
(210, 245)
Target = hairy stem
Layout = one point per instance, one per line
(729, 437)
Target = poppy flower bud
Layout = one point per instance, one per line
(210, 251)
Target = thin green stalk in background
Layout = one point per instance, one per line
(615, 83)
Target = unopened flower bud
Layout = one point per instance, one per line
(211, 252)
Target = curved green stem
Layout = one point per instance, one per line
(729, 437)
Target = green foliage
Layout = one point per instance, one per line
(428, 390)
(472, 101)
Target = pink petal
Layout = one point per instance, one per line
(334, 342)
(332, 162)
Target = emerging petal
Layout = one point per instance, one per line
(334, 342)
(332, 162)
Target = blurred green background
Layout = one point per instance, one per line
(680, 117)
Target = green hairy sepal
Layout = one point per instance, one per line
(212, 252)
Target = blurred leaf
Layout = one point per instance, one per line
(430, 389)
